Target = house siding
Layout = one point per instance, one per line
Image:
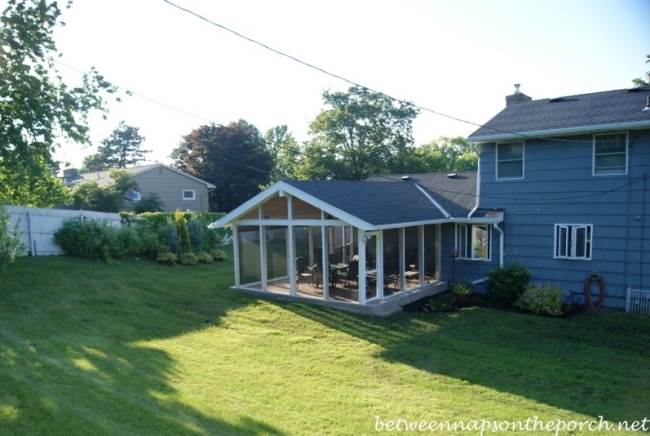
(559, 188)
(169, 185)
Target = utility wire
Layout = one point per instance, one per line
(351, 82)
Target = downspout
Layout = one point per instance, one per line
(496, 227)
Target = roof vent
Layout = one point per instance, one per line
(637, 89)
(452, 175)
(405, 178)
(647, 105)
(556, 99)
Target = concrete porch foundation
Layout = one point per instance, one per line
(381, 308)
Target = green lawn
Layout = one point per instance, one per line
(142, 348)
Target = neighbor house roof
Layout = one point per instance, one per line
(585, 113)
(382, 201)
(103, 178)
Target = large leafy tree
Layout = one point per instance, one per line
(359, 133)
(285, 151)
(444, 154)
(37, 109)
(234, 158)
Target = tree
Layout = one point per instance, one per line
(285, 151)
(90, 195)
(121, 149)
(36, 108)
(643, 81)
(359, 134)
(93, 162)
(11, 242)
(234, 158)
(444, 154)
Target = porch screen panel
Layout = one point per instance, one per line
(411, 247)
(430, 252)
(249, 255)
(276, 252)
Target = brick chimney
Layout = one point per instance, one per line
(517, 97)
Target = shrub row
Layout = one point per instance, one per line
(183, 234)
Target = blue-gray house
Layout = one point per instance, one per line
(571, 174)
(562, 188)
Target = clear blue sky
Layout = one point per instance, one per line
(456, 57)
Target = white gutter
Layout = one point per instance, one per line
(560, 132)
(435, 203)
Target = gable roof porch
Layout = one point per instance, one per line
(361, 214)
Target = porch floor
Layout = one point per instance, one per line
(346, 298)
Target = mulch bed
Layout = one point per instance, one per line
(481, 300)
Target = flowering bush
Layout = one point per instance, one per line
(542, 298)
(463, 289)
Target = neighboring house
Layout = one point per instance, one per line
(389, 236)
(571, 174)
(176, 189)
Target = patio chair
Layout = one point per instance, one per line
(303, 272)
(352, 274)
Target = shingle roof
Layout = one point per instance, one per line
(587, 111)
(388, 200)
(103, 178)
(455, 192)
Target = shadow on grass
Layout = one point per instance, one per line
(74, 357)
(591, 364)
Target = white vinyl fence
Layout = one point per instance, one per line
(39, 225)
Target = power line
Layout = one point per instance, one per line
(352, 82)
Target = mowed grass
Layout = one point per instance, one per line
(142, 348)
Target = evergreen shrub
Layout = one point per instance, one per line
(507, 283)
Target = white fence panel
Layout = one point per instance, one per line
(39, 225)
(638, 302)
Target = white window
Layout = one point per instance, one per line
(510, 160)
(189, 194)
(573, 241)
(610, 153)
(473, 241)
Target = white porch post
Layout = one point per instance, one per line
(263, 257)
(291, 249)
(361, 243)
(379, 267)
(262, 232)
(420, 264)
(235, 253)
(325, 262)
(402, 256)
